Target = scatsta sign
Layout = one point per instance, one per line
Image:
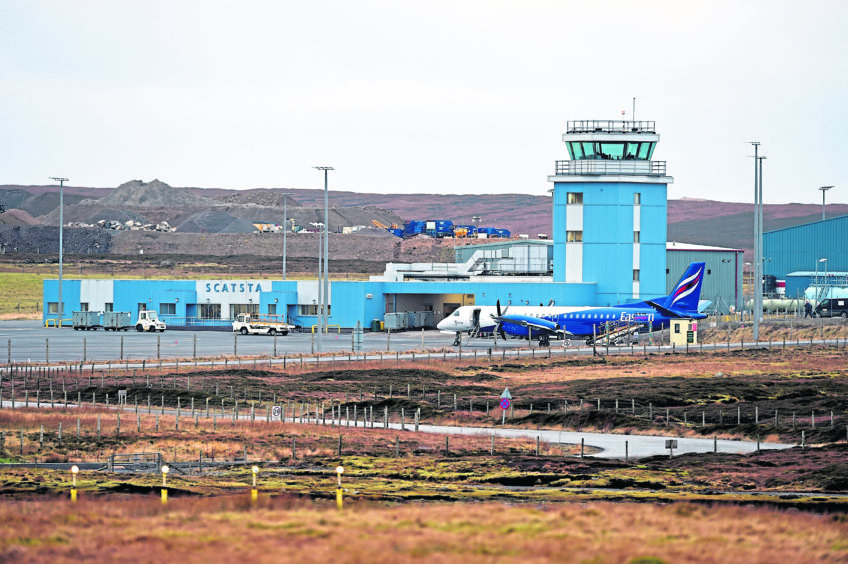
(232, 287)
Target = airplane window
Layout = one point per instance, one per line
(455, 314)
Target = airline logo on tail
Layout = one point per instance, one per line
(685, 295)
(686, 287)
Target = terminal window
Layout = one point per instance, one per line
(574, 236)
(52, 307)
(635, 274)
(168, 309)
(210, 311)
(635, 236)
(236, 309)
(83, 306)
(575, 198)
(637, 198)
(311, 309)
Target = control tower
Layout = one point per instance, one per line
(609, 210)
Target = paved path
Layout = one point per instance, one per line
(611, 445)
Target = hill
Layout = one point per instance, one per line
(218, 210)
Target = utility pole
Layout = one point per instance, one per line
(762, 250)
(823, 190)
(61, 182)
(756, 262)
(325, 298)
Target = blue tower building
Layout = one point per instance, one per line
(609, 210)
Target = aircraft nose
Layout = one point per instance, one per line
(442, 324)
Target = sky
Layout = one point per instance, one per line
(442, 97)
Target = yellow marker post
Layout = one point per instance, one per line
(254, 493)
(339, 472)
(164, 485)
(74, 470)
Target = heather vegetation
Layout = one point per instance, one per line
(519, 498)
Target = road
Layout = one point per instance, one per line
(29, 342)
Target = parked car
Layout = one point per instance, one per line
(832, 308)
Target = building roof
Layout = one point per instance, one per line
(677, 246)
(829, 274)
(838, 219)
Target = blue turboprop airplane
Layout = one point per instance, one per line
(544, 322)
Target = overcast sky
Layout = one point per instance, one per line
(420, 97)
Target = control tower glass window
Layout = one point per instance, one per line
(610, 151)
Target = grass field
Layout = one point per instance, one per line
(282, 528)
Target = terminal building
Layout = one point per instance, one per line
(608, 246)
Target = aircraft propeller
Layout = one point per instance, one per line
(498, 329)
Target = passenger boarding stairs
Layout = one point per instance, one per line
(616, 333)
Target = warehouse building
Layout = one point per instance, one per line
(812, 247)
(722, 275)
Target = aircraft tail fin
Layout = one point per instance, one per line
(687, 292)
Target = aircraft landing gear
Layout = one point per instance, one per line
(457, 339)
(544, 342)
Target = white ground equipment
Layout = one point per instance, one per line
(261, 324)
(148, 320)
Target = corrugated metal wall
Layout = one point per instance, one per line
(722, 279)
(800, 247)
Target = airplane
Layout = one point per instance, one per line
(544, 322)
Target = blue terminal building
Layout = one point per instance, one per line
(608, 246)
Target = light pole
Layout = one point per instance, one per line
(756, 262)
(476, 220)
(762, 251)
(318, 225)
(61, 182)
(823, 190)
(326, 297)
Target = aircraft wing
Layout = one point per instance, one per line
(532, 322)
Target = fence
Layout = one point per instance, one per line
(209, 396)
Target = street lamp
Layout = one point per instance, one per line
(762, 251)
(61, 182)
(757, 230)
(823, 190)
(326, 296)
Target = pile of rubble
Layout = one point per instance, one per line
(129, 225)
